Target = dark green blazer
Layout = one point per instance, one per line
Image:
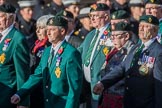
(14, 66)
(97, 60)
(62, 91)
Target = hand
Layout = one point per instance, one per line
(22, 107)
(98, 88)
(15, 99)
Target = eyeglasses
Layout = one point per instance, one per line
(117, 35)
(96, 16)
(148, 8)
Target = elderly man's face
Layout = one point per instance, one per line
(119, 38)
(153, 9)
(2, 2)
(55, 34)
(146, 31)
(98, 19)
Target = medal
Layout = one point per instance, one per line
(143, 70)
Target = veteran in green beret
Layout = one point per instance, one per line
(59, 69)
(96, 46)
(14, 58)
(123, 16)
(141, 69)
(154, 7)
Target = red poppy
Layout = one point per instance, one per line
(60, 50)
(105, 32)
(7, 41)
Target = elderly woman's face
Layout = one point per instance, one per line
(3, 21)
(41, 32)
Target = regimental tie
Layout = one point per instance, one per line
(111, 54)
(1, 36)
(51, 57)
(89, 52)
(137, 55)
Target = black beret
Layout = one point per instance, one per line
(122, 26)
(120, 14)
(7, 8)
(149, 19)
(58, 21)
(99, 7)
(65, 13)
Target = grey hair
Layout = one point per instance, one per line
(42, 21)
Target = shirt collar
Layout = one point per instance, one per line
(56, 48)
(148, 43)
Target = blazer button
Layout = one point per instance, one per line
(46, 100)
(127, 88)
(128, 76)
(91, 68)
(46, 87)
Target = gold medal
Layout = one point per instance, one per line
(143, 70)
(58, 72)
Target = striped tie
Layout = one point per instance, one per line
(137, 55)
(51, 57)
(89, 52)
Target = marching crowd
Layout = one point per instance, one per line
(70, 54)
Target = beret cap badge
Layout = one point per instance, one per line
(51, 21)
(150, 20)
(152, 1)
(94, 6)
(113, 17)
(64, 13)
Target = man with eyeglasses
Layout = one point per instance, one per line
(93, 48)
(121, 38)
(141, 69)
(154, 7)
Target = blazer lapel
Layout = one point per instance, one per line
(53, 65)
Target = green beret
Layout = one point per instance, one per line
(99, 7)
(149, 19)
(58, 21)
(120, 14)
(153, 2)
(65, 13)
(122, 26)
(7, 8)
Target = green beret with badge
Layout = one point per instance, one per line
(99, 7)
(58, 21)
(122, 26)
(120, 14)
(65, 13)
(153, 2)
(149, 19)
(7, 8)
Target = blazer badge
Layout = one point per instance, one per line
(2, 58)
(58, 72)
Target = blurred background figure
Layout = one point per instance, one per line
(137, 10)
(36, 100)
(85, 21)
(2, 2)
(70, 36)
(120, 5)
(53, 7)
(107, 2)
(26, 24)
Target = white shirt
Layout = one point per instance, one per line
(6, 31)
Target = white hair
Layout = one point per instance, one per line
(42, 21)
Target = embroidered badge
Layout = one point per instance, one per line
(6, 44)
(105, 51)
(58, 72)
(2, 58)
(94, 6)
